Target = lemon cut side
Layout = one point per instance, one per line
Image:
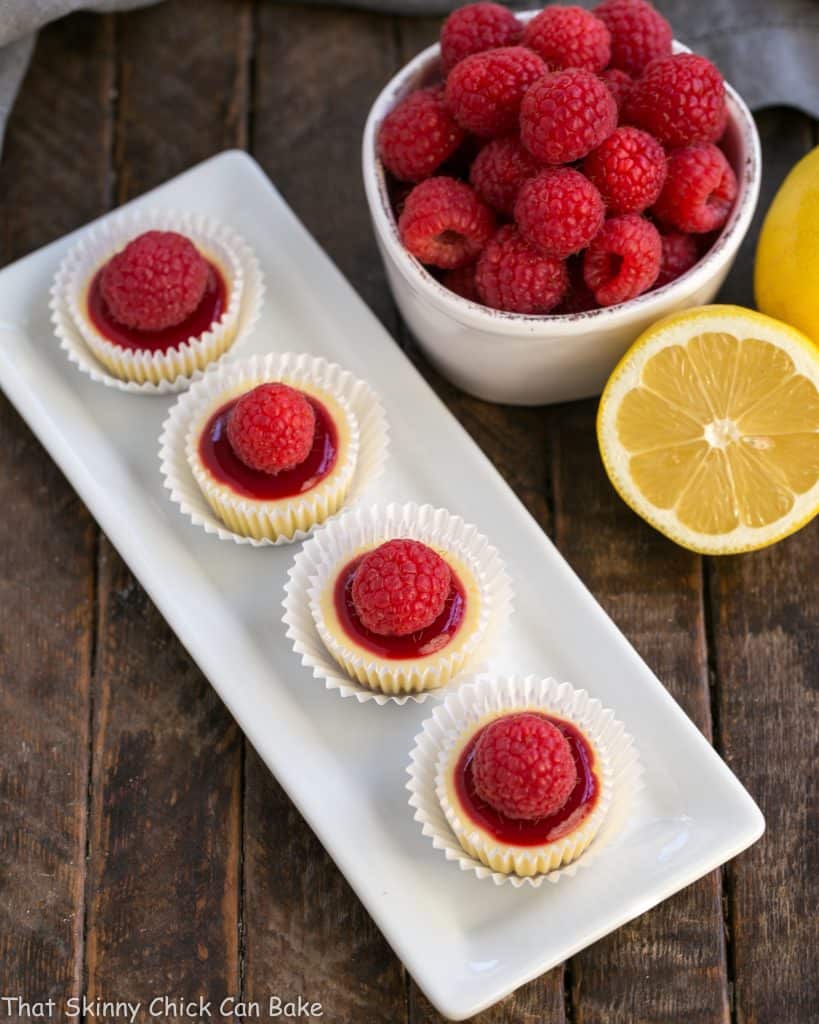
(709, 429)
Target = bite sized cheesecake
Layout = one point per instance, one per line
(273, 459)
(524, 790)
(156, 296)
(400, 616)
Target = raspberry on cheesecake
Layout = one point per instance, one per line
(157, 281)
(272, 428)
(523, 767)
(400, 588)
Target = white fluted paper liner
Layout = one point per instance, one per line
(244, 521)
(355, 673)
(143, 371)
(619, 770)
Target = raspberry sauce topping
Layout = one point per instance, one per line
(522, 831)
(224, 465)
(210, 309)
(428, 640)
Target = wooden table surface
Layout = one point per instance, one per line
(144, 848)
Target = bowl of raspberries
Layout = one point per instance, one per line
(544, 186)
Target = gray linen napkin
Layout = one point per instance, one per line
(767, 49)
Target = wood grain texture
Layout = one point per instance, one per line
(668, 965)
(306, 932)
(183, 88)
(766, 625)
(765, 638)
(47, 546)
(317, 73)
(165, 842)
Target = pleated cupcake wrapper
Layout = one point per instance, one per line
(618, 768)
(351, 672)
(244, 521)
(143, 371)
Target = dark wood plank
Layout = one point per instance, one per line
(53, 177)
(316, 73)
(183, 88)
(766, 624)
(669, 965)
(765, 638)
(164, 886)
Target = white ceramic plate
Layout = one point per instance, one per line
(466, 943)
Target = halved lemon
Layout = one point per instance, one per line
(709, 429)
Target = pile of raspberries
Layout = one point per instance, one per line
(562, 165)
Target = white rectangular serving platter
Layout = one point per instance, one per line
(466, 942)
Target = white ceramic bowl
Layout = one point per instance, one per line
(529, 360)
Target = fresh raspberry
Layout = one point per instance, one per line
(679, 100)
(680, 253)
(157, 281)
(445, 223)
(624, 260)
(462, 282)
(619, 85)
(699, 190)
(629, 169)
(512, 276)
(559, 211)
(271, 428)
(475, 28)
(523, 767)
(639, 33)
(484, 91)
(564, 115)
(499, 170)
(418, 135)
(569, 37)
(400, 588)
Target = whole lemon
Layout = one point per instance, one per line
(786, 278)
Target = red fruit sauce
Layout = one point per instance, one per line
(209, 310)
(426, 641)
(514, 832)
(226, 467)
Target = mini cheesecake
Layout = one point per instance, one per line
(515, 807)
(424, 654)
(155, 306)
(273, 505)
